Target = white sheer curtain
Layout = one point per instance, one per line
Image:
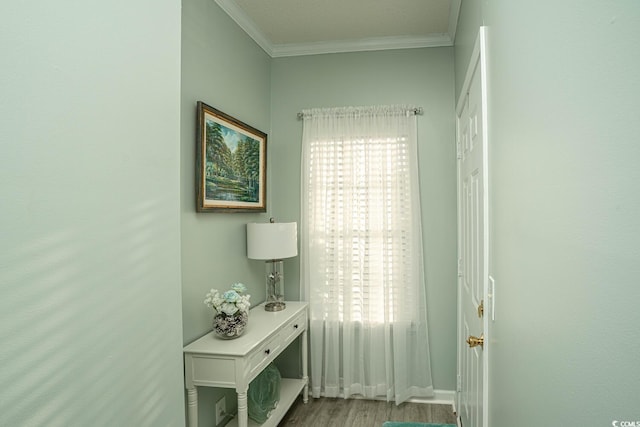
(361, 253)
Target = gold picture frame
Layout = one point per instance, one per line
(231, 169)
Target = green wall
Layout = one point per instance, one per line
(90, 319)
(469, 22)
(565, 206)
(423, 77)
(224, 68)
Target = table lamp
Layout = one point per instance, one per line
(272, 242)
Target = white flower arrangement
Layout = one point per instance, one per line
(229, 302)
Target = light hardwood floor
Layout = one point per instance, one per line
(325, 412)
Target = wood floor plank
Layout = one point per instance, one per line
(444, 413)
(361, 414)
(413, 413)
(325, 412)
(397, 413)
(338, 410)
(383, 411)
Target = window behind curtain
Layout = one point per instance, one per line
(360, 193)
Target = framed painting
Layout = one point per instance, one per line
(231, 169)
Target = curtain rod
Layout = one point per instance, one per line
(418, 111)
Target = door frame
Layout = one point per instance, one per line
(478, 60)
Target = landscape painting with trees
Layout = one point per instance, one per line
(231, 163)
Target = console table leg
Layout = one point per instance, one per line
(192, 406)
(243, 414)
(305, 376)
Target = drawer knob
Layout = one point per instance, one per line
(295, 326)
(267, 351)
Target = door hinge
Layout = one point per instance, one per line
(459, 383)
(459, 267)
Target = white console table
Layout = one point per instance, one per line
(214, 362)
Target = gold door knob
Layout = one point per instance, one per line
(475, 341)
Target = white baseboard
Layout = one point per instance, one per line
(443, 397)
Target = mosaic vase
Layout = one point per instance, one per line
(230, 326)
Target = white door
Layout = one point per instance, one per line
(473, 242)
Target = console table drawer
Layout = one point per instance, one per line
(294, 328)
(267, 352)
(264, 355)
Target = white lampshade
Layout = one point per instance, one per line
(277, 240)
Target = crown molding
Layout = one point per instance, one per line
(454, 13)
(247, 24)
(361, 45)
(339, 46)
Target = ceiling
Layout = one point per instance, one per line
(306, 27)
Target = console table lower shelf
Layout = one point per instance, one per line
(290, 389)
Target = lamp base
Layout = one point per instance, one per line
(274, 300)
(275, 306)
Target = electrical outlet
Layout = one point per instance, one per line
(221, 410)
